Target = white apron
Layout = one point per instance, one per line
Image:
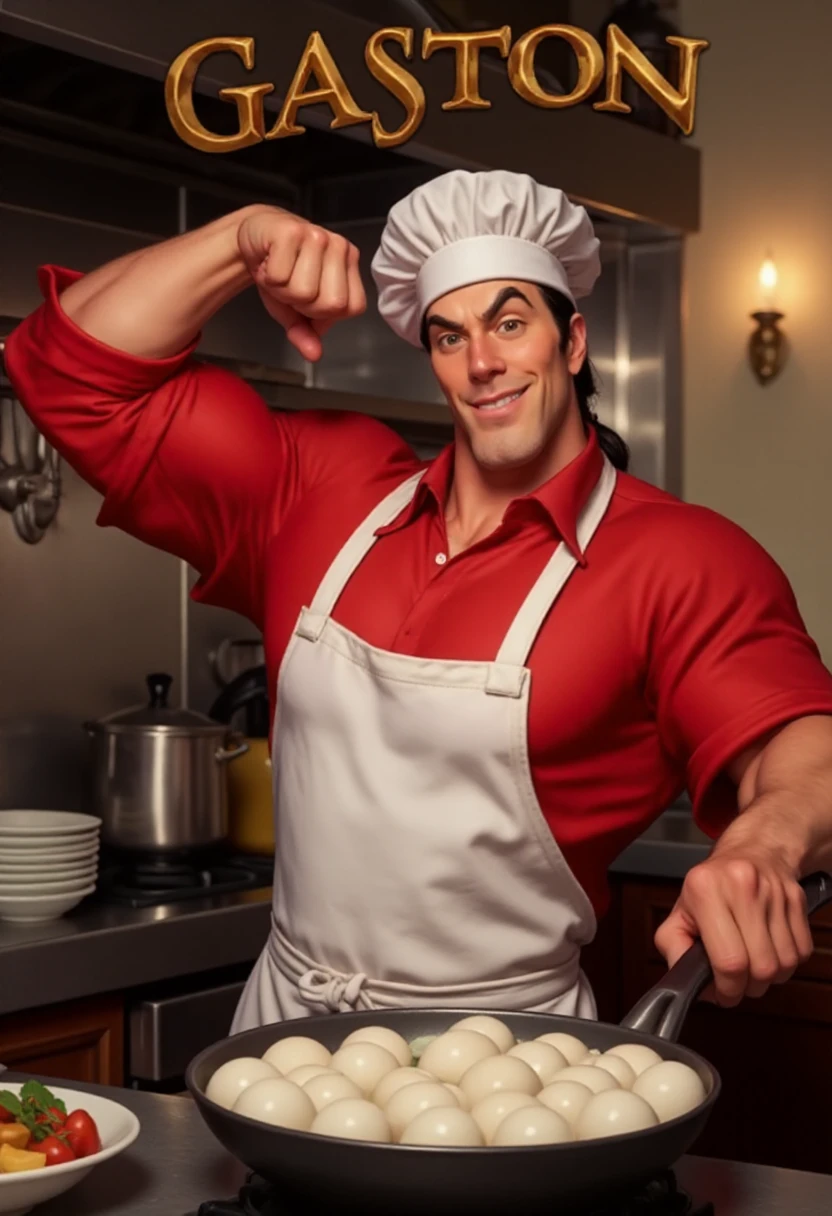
(413, 863)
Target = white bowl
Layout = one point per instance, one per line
(39, 846)
(46, 883)
(47, 823)
(11, 867)
(33, 909)
(118, 1128)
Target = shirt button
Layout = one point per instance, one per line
(441, 558)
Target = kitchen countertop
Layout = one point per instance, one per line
(668, 849)
(103, 947)
(175, 1165)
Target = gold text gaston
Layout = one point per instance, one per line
(318, 79)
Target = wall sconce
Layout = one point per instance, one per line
(767, 347)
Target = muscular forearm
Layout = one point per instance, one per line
(744, 901)
(785, 798)
(152, 303)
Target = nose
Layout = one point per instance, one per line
(484, 358)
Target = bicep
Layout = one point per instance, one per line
(205, 471)
(730, 664)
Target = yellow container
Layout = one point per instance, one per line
(250, 803)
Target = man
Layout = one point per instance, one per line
(491, 673)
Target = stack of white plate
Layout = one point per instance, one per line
(48, 863)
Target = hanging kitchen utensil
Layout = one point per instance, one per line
(324, 1174)
(233, 657)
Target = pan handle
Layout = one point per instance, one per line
(662, 1010)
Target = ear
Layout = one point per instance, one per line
(576, 347)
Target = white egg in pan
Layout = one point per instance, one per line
(471, 1086)
(450, 1055)
(545, 1059)
(612, 1113)
(384, 1037)
(231, 1078)
(671, 1088)
(365, 1064)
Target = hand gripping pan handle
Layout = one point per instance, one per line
(662, 1010)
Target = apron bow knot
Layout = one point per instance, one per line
(337, 993)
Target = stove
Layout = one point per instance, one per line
(662, 1197)
(143, 882)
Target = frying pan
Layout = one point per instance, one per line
(331, 1174)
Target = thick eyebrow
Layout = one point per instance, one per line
(443, 323)
(507, 293)
(502, 297)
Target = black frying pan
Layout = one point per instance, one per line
(328, 1174)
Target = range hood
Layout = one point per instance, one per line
(609, 163)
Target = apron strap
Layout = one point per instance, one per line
(538, 603)
(359, 544)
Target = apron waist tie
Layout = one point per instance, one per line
(334, 991)
(317, 984)
(337, 993)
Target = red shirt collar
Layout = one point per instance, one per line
(562, 497)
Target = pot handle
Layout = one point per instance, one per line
(223, 754)
(662, 1010)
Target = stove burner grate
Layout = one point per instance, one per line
(661, 1197)
(145, 882)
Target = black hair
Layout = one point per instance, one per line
(586, 389)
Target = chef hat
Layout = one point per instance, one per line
(464, 228)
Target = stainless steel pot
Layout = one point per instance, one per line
(159, 775)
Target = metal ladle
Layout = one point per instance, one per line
(30, 483)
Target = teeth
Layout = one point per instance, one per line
(496, 405)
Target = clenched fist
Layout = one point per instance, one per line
(307, 277)
(749, 910)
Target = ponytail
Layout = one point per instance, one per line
(610, 442)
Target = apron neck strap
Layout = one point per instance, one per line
(538, 603)
(535, 608)
(359, 544)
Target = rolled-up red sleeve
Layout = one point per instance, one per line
(730, 657)
(187, 456)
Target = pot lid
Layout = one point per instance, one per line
(158, 715)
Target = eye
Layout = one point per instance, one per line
(446, 340)
(510, 325)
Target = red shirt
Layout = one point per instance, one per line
(675, 645)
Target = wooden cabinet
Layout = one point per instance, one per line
(602, 961)
(78, 1041)
(774, 1054)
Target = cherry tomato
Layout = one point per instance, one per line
(82, 1134)
(57, 1153)
(5, 1117)
(53, 1118)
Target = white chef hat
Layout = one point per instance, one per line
(464, 228)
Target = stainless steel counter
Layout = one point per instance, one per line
(103, 947)
(175, 1165)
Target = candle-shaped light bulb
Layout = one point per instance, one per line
(768, 283)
